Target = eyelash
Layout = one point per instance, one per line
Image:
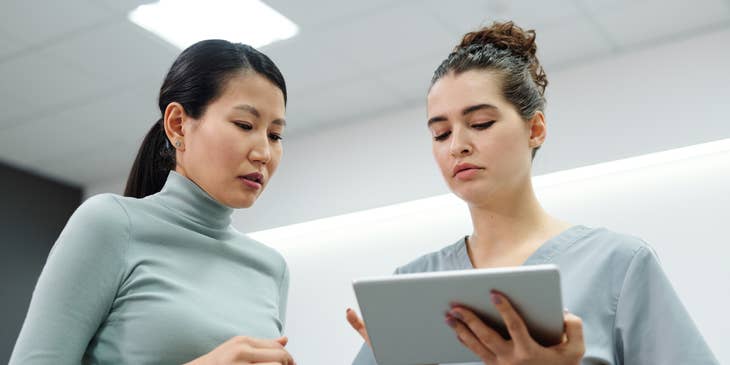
(479, 126)
(246, 127)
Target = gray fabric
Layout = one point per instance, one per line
(159, 280)
(631, 314)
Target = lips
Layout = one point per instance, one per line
(256, 177)
(465, 167)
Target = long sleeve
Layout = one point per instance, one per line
(77, 286)
(652, 326)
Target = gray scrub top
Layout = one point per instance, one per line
(614, 282)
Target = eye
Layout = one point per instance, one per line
(275, 137)
(442, 136)
(244, 126)
(481, 126)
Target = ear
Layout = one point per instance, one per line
(538, 130)
(174, 118)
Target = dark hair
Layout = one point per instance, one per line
(196, 79)
(511, 52)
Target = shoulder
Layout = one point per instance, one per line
(267, 254)
(102, 212)
(440, 260)
(100, 227)
(612, 245)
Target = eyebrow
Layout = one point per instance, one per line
(465, 111)
(255, 112)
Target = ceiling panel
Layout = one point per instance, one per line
(95, 164)
(35, 22)
(119, 53)
(468, 15)
(123, 6)
(120, 117)
(313, 60)
(630, 23)
(412, 80)
(341, 104)
(323, 13)
(563, 44)
(396, 36)
(8, 44)
(46, 83)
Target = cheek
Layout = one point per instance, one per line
(442, 157)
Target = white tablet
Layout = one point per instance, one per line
(404, 314)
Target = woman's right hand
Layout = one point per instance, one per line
(242, 350)
(358, 325)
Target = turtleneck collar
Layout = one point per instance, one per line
(191, 201)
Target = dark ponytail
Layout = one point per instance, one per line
(196, 79)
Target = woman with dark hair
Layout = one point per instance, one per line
(160, 276)
(486, 115)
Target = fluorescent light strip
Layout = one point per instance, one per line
(631, 163)
(450, 202)
(184, 22)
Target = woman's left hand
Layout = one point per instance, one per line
(521, 349)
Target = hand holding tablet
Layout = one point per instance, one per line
(405, 316)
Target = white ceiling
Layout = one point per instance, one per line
(78, 82)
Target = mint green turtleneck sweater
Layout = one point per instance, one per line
(159, 280)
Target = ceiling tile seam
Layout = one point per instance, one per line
(82, 101)
(350, 18)
(440, 20)
(603, 32)
(677, 36)
(85, 151)
(59, 38)
(639, 47)
(301, 133)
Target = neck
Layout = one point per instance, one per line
(510, 227)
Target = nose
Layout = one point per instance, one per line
(260, 150)
(460, 144)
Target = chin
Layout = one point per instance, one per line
(471, 195)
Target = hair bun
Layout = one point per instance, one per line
(510, 37)
(505, 36)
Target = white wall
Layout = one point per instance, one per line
(679, 207)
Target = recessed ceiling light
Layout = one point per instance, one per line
(184, 22)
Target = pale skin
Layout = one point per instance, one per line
(238, 134)
(472, 123)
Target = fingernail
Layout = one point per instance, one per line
(456, 315)
(495, 298)
(451, 322)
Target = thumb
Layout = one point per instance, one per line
(573, 328)
(358, 325)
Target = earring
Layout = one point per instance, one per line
(178, 143)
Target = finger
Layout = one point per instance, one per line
(512, 320)
(269, 355)
(283, 340)
(470, 340)
(262, 343)
(486, 335)
(357, 324)
(574, 331)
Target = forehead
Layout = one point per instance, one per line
(456, 91)
(253, 89)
